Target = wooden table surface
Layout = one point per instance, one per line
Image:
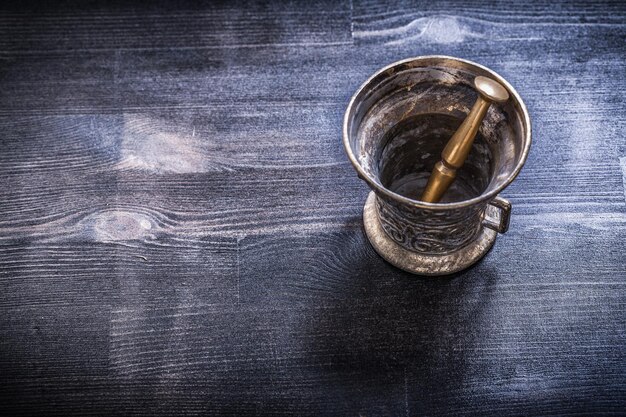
(181, 231)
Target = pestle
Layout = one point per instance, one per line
(458, 147)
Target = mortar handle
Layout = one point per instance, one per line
(500, 224)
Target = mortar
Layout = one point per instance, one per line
(395, 128)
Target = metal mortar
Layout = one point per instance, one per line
(395, 127)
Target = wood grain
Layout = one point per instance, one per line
(181, 232)
(164, 25)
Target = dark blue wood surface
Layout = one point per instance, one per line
(181, 233)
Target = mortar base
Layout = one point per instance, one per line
(415, 262)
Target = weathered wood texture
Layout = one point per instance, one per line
(180, 230)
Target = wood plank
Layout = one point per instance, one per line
(77, 26)
(313, 268)
(201, 205)
(203, 79)
(401, 21)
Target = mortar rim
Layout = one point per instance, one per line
(378, 188)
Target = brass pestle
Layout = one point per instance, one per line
(458, 147)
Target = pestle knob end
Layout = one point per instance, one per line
(491, 90)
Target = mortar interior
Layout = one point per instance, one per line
(412, 147)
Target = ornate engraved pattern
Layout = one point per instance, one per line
(430, 231)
